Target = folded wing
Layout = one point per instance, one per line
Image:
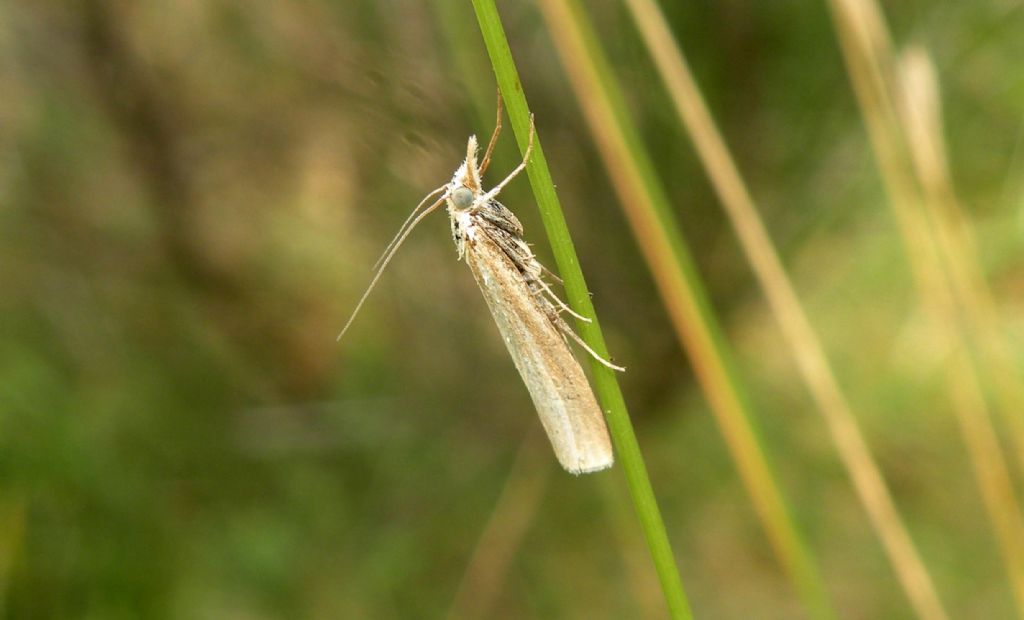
(554, 378)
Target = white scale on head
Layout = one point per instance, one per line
(462, 199)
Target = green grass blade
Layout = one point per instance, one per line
(605, 383)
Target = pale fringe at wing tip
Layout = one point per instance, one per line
(591, 469)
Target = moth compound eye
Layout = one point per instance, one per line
(462, 197)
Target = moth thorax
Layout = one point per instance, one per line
(462, 198)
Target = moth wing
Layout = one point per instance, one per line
(559, 389)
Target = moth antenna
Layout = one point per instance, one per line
(406, 223)
(522, 166)
(387, 259)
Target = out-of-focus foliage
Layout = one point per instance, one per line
(192, 195)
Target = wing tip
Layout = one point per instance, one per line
(589, 467)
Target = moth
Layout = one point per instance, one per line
(489, 237)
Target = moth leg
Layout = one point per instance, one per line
(522, 166)
(527, 264)
(570, 311)
(558, 301)
(553, 276)
(561, 304)
(494, 139)
(564, 327)
(567, 331)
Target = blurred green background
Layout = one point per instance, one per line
(192, 195)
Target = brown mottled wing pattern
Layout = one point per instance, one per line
(560, 391)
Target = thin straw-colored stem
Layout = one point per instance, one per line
(605, 382)
(647, 208)
(924, 217)
(921, 116)
(796, 327)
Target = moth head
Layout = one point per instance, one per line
(462, 197)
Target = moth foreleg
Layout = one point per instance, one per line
(522, 166)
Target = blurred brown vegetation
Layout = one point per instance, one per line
(192, 195)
